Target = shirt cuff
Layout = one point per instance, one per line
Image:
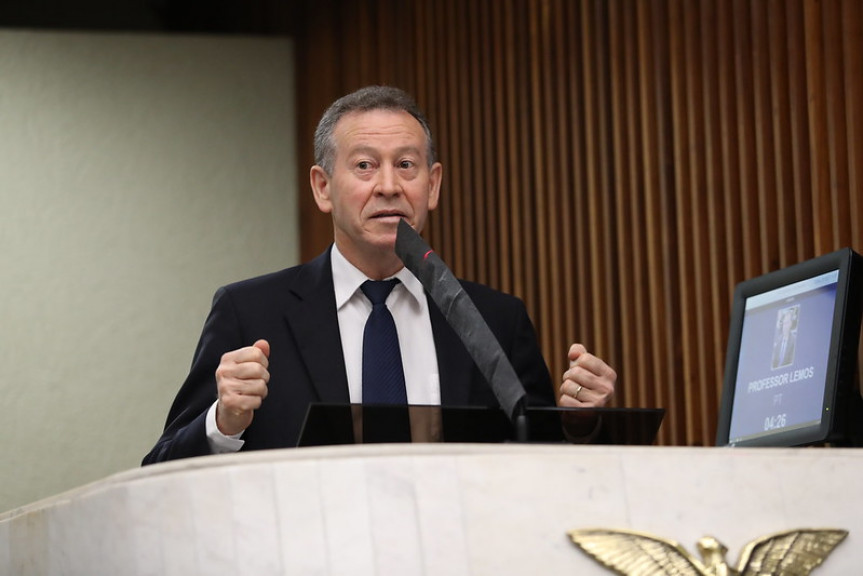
(220, 443)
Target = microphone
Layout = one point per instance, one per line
(464, 318)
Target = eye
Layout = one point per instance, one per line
(406, 164)
(364, 165)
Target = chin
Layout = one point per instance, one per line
(381, 240)
(387, 243)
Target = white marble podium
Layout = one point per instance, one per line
(452, 509)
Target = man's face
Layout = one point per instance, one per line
(380, 174)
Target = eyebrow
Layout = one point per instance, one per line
(374, 151)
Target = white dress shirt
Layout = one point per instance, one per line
(408, 305)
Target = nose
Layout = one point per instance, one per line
(388, 183)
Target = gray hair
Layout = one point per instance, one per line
(365, 100)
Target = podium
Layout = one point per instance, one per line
(445, 508)
(333, 424)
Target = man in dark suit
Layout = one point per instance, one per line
(272, 345)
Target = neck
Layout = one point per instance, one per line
(377, 265)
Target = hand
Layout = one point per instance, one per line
(241, 380)
(589, 382)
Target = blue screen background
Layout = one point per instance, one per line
(790, 402)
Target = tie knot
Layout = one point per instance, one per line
(378, 290)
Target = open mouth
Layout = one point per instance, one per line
(394, 215)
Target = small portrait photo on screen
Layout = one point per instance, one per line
(785, 336)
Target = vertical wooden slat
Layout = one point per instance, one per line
(593, 111)
(381, 66)
(566, 296)
(766, 210)
(577, 279)
(511, 16)
(523, 220)
(801, 173)
(593, 94)
(702, 383)
(607, 344)
(715, 216)
(729, 238)
(852, 47)
(451, 216)
(499, 144)
(710, 215)
(591, 183)
(426, 84)
(604, 288)
(752, 256)
(561, 191)
(461, 93)
(785, 218)
(536, 204)
(840, 213)
(688, 321)
(817, 114)
(732, 225)
(353, 36)
(488, 189)
(640, 376)
(852, 51)
(578, 216)
(620, 119)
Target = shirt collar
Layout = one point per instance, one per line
(347, 279)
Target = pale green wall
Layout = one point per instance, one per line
(137, 174)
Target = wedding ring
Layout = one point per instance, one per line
(577, 391)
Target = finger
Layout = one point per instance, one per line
(579, 375)
(254, 353)
(568, 401)
(247, 371)
(231, 376)
(253, 390)
(248, 387)
(257, 388)
(576, 351)
(589, 362)
(591, 369)
(263, 346)
(241, 399)
(575, 389)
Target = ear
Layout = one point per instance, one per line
(320, 182)
(435, 177)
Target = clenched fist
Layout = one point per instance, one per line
(589, 382)
(241, 380)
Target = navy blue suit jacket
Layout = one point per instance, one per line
(295, 311)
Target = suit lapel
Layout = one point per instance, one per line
(312, 318)
(454, 363)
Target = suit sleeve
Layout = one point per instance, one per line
(185, 434)
(528, 362)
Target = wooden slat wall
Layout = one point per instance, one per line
(618, 164)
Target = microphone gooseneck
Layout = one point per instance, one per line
(464, 318)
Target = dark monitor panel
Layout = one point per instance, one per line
(792, 356)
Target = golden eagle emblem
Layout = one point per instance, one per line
(630, 553)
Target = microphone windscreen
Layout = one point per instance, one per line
(462, 315)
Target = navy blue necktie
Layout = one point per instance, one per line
(383, 374)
